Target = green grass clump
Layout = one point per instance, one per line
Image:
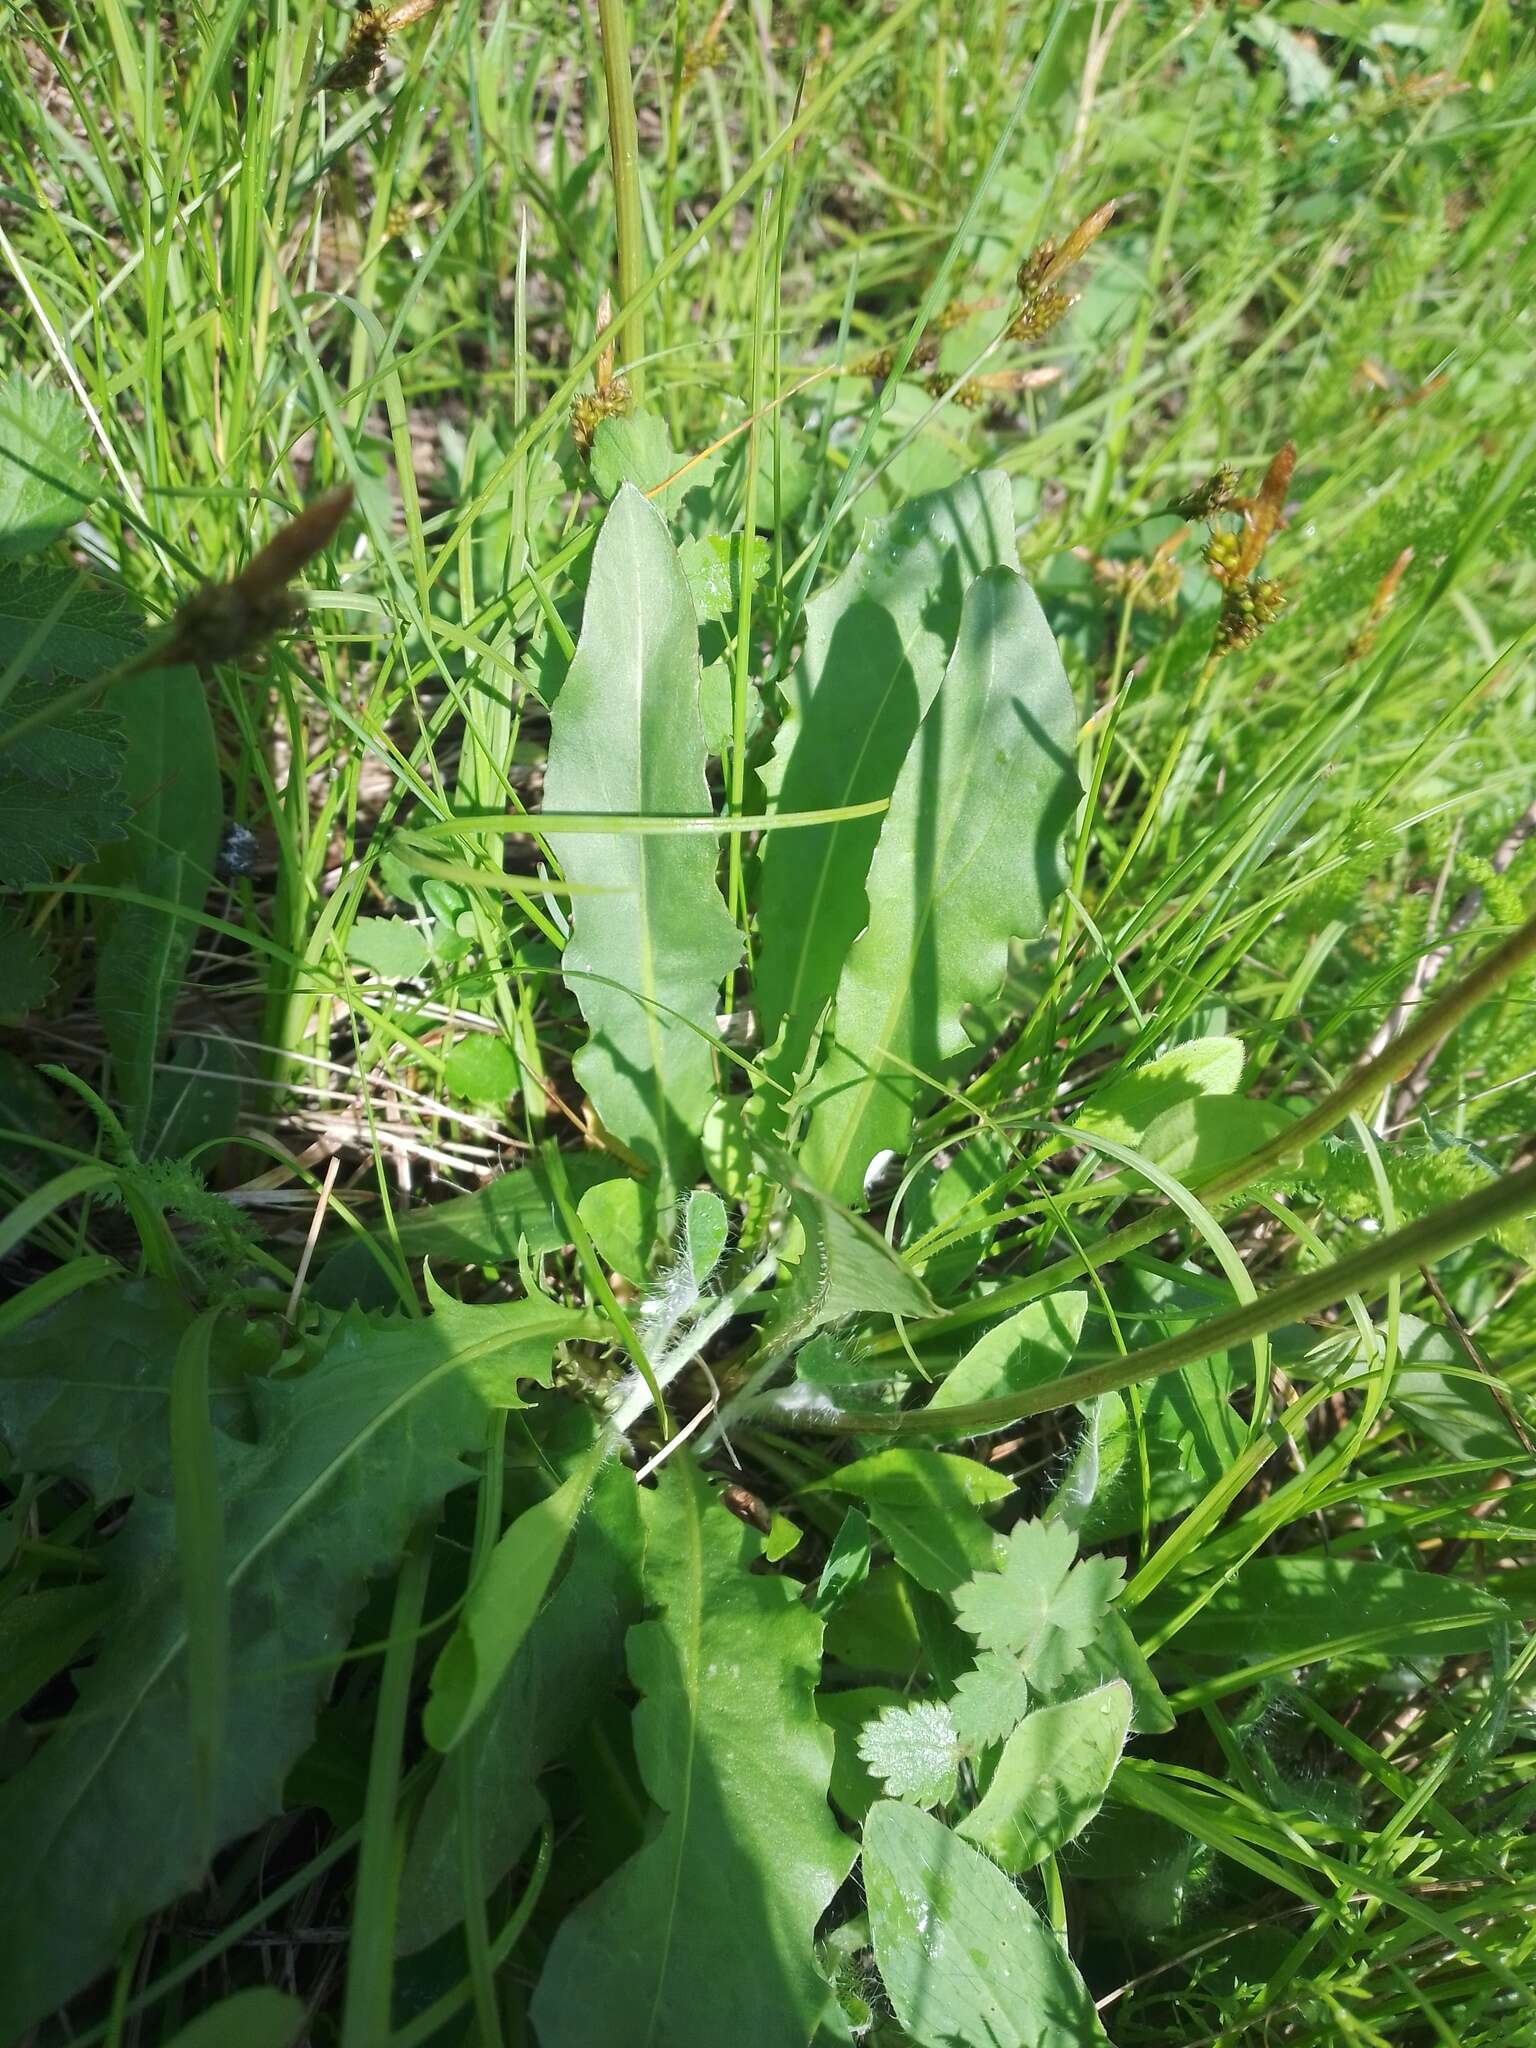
(767, 960)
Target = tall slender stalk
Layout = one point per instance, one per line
(624, 158)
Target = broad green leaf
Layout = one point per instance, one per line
(171, 779)
(645, 962)
(969, 858)
(990, 1701)
(914, 1752)
(620, 1218)
(1127, 1107)
(876, 644)
(502, 1605)
(965, 1960)
(1040, 1607)
(56, 622)
(1194, 1138)
(1440, 1395)
(875, 1628)
(196, 1096)
(571, 1662)
(1025, 1350)
(102, 1823)
(1115, 1653)
(391, 947)
(85, 1389)
(45, 486)
(730, 1748)
(925, 1504)
(1051, 1778)
(258, 2018)
(482, 1069)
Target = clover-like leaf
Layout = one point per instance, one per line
(989, 1702)
(914, 1751)
(1040, 1607)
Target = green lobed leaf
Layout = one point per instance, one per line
(914, 1752)
(482, 1069)
(171, 780)
(969, 858)
(730, 1748)
(45, 485)
(990, 1701)
(103, 1822)
(645, 962)
(1051, 1778)
(876, 644)
(1040, 1607)
(966, 1961)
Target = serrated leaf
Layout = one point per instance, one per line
(853, 1791)
(502, 1605)
(570, 1663)
(391, 947)
(730, 1749)
(171, 780)
(89, 628)
(26, 971)
(645, 962)
(1040, 1607)
(102, 1823)
(44, 826)
(1051, 1778)
(966, 1961)
(969, 858)
(45, 486)
(876, 644)
(914, 1752)
(990, 1701)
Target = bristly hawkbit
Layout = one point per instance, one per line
(1381, 604)
(226, 621)
(1042, 302)
(368, 43)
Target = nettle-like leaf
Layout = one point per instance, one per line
(646, 960)
(876, 645)
(45, 486)
(730, 1748)
(1051, 1778)
(26, 968)
(56, 622)
(914, 1752)
(965, 1959)
(1041, 1607)
(989, 1702)
(104, 1824)
(59, 799)
(171, 779)
(969, 858)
